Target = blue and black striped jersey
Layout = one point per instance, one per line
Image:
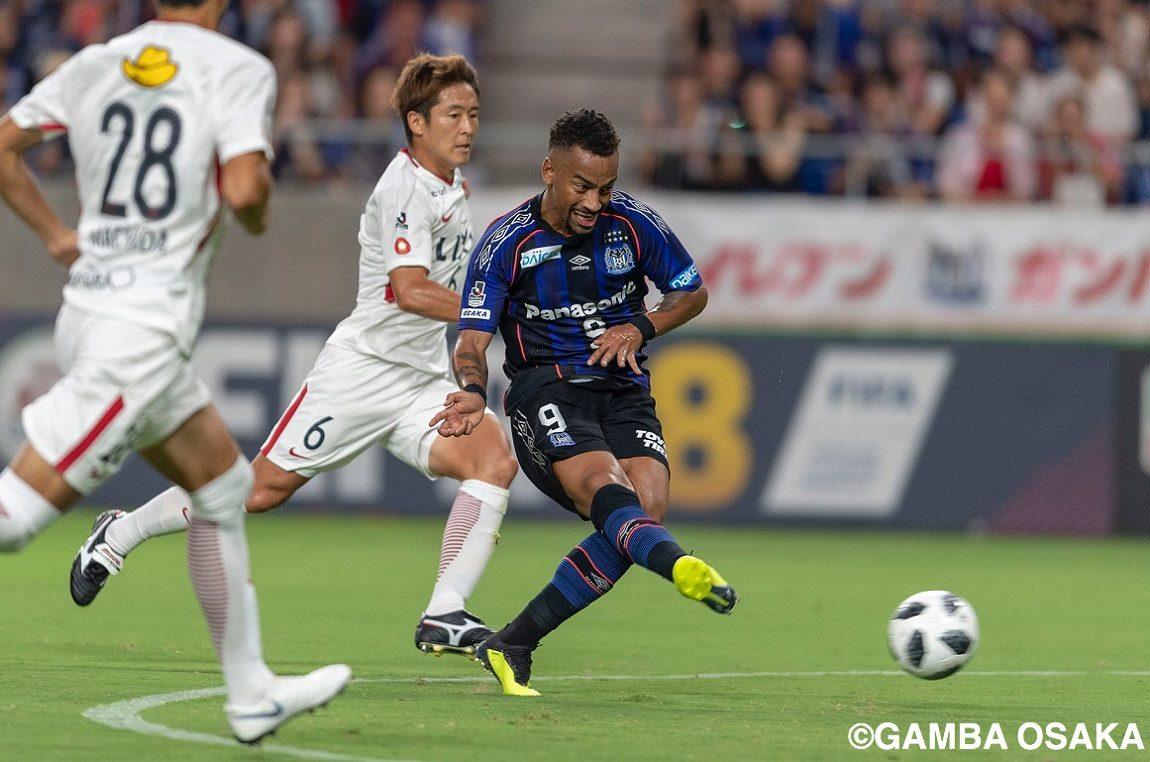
(550, 295)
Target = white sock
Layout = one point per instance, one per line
(24, 513)
(165, 513)
(468, 541)
(220, 572)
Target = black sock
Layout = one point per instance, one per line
(543, 614)
(584, 575)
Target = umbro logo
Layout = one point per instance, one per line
(580, 262)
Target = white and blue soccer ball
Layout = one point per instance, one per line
(933, 634)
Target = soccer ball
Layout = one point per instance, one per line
(933, 634)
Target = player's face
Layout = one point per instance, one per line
(579, 185)
(447, 134)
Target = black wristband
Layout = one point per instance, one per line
(645, 326)
(477, 389)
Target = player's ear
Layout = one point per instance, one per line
(416, 123)
(547, 170)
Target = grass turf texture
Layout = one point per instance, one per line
(350, 589)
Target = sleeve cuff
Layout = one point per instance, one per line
(231, 151)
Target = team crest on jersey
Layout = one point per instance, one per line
(401, 221)
(619, 259)
(477, 295)
(402, 246)
(153, 67)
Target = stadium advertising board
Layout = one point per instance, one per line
(957, 435)
(928, 268)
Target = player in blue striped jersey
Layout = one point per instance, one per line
(563, 278)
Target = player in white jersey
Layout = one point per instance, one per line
(384, 371)
(168, 124)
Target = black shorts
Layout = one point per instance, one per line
(563, 419)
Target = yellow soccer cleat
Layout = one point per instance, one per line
(511, 666)
(698, 581)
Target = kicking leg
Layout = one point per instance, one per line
(486, 468)
(601, 491)
(203, 459)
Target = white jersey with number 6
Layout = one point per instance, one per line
(413, 218)
(151, 116)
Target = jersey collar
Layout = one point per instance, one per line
(449, 183)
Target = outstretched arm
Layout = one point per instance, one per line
(621, 342)
(420, 295)
(22, 193)
(463, 410)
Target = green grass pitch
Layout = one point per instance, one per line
(350, 589)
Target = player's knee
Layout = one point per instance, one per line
(501, 470)
(223, 498)
(265, 497)
(608, 499)
(654, 507)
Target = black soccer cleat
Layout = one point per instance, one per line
(95, 561)
(510, 664)
(457, 632)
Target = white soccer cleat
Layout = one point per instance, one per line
(287, 697)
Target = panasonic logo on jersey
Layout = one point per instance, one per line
(538, 256)
(583, 309)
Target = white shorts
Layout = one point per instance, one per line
(125, 388)
(351, 401)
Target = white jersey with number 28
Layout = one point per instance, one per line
(151, 116)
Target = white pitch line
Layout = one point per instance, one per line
(125, 715)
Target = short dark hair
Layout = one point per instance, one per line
(1083, 32)
(423, 78)
(180, 3)
(586, 129)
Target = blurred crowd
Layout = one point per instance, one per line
(955, 99)
(337, 61)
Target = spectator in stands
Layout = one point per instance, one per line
(991, 159)
(12, 73)
(1013, 57)
(450, 29)
(925, 95)
(829, 31)
(1125, 32)
(1111, 109)
(1076, 167)
(297, 153)
(379, 134)
(777, 136)
(789, 67)
(877, 164)
(678, 153)
(699, 26)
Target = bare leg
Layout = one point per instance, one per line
(32, 496)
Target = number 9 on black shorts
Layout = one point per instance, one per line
(564, 419)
